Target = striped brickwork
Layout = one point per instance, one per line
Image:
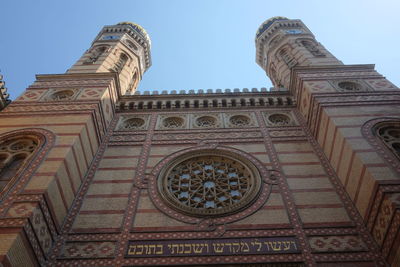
(33, 211)
(342, 123)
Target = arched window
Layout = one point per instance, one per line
(120, 63)
(383, 134)
(17, 149)
(95, 54)
(285, 55)
(312, 48)
(389, 133)
(134, 81)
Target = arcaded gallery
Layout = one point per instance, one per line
(307, 173)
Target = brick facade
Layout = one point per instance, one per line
(329, 190)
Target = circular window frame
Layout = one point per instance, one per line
(246, 118)
(166, 120)
(143, 122)
(214, 119)
(289, 119)
(255, 201)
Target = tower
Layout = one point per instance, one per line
(282, 44)
(95, 173)
(123, 48)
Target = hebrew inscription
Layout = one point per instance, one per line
(198, 247)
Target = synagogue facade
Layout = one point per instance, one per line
(95, 173)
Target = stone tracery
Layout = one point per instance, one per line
(279, 119)
(173, 122)
(389, 133)
(209, 185)
(239, 120)
(206, 122)
(62, 95)
(13, 153)
(133, 123)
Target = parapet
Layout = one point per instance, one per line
(210, 91)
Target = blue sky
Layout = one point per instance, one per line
(195, 44)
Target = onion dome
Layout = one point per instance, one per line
(139, 29)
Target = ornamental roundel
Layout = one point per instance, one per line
(239, 120)
(279, 119)
(134, 123)
(206, 122)
(173, 122)
(62, 95)
(350, 86)
(209, 183)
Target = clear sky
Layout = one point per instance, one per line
(196, 44)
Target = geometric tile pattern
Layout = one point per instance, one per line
(41, 230)
(381, 84)
(20, 210)
(31, 95)
(74, 250)
(336, 243)
(39, 225)
(383, 220)
(90, 93)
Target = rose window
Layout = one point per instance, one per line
(350, 86)
(279, 119)
(206, 122)
(239, 120)
(63, 95)
(390, 135)
(209, 185)
(134, 123)
(173, 122)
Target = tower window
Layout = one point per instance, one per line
(312, 48)
(119, 65)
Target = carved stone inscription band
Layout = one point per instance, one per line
(196, 247)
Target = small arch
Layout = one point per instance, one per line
(140, 105)
(289, 101)
(252, 102)
(187, 104)
(224, 103)
(196, 103)
(270, 101)
(280, 101)
(243, 102)
(261, 102)
(205, 103)
(150, 105)
(178, 104)
(131, 105)
(233, 102)
(215, 103)
(159, 104)
(168, 104)
(120, 64)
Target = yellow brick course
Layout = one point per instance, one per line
(89, 221)
(323, 215)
